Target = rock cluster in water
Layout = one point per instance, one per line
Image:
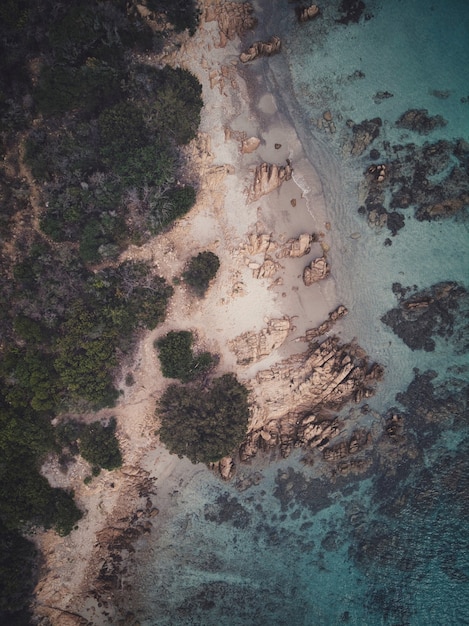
(442, 310)
(432, 179)
(420, 121)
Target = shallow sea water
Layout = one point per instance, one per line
(389, 546)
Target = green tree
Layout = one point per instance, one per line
(204, 424)
(99, 446)
(200, 271)
(177, 359)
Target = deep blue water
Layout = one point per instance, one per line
(389, 545)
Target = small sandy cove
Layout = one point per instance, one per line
(221, 221)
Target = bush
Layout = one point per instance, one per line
(204, 424)
(99, 446)
(200, 271)
(177, 359)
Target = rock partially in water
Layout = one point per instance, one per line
(295, 397)
(261, 49)
(409, 181)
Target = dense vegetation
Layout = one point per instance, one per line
(100, 134)
(177, 359)
(200, 271)
(204, 424)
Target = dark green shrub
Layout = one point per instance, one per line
(204, 424)
(200, 271)
(99, 446)
(177, 359)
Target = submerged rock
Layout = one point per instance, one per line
(304, 14)
(420, 121)
(440, 311)
(363, 134)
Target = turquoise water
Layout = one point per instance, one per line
(305, 545)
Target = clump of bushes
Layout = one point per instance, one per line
(204, 424)
(177, 359)
(200, 271)
(96, 443)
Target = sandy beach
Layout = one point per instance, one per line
(222, 221)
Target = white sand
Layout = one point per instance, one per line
(236, 302)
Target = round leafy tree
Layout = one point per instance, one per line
(204, 424)
(200, 271)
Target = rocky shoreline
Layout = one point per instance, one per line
(295, 395)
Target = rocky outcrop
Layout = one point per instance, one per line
(261, 49)
(304, 14)
(420, 121)
(296, 248)
(325, 327)
(251, 346)
(268, 177)
(261, 243)
(295, 397)
(234, 19)
(317, 270)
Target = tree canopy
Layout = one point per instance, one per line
(204, 424)
(177, 359)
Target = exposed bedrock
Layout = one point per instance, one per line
(268, 177)
(261, 49)
(251, 346)
(295, 397)
(234, 19)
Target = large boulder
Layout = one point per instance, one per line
(268, 177)
(317, 270)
